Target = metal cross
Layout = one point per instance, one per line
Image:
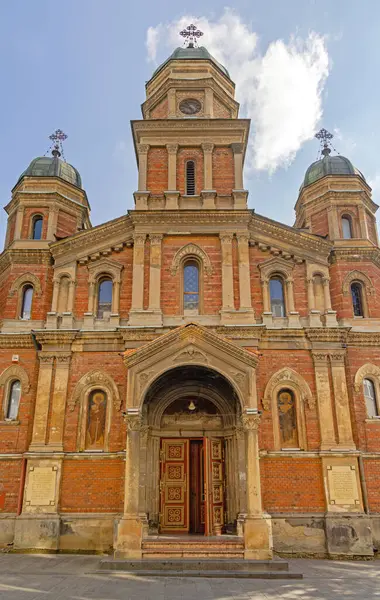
(57, 137)
(324, 138)
(191, 33)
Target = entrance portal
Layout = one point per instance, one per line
(192, 486)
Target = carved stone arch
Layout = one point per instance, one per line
(286, 377)
(15, 372)
(62, 274)
(357, 276)
(22, 280)
(368, 370)
(105, 266)
(275, 266)
(188, 251)
(91, 381)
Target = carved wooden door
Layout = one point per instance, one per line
(174, 495)
(214, 485)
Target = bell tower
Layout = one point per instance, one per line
(190, 144)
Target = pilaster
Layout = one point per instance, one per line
(18, 223)
(227, 276)
(41, 412)
(143, 150)
(238, 150)
(155, 313)
(342, 408)
(57, 420)
(326, 419)
(207, 154)
(52, 223)
(172, 150)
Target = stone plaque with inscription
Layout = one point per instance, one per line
(41, 486)
(343, 484)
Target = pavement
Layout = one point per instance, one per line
(73, 577)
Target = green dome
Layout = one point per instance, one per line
(200, 53)
(330, 165)
(52, 166)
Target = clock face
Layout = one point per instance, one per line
(190, 106)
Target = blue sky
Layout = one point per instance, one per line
(81, 66)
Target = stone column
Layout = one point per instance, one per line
(137, 309)
(41, 412)
(332, 217)
(330, 315)
(115, 297)
(207, 156)
(130, 528)
(91, 297)
(155, 272)
(209, 103)
(70, 299)
(227, 273)
(363, 222)
(142, 150)
(244, 272)
(342, 408)
(18, 223)
(57, 419)
(52, 223)
(326, 419)
(238, 150)
(171, 103)
(310, 293)
(257, 527)
(172, 166)
(54, 302)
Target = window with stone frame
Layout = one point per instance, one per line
(191, 287)
(370, 397)
(26, 302)
(347, 230)
(104, 297)
(287, 417)
(190, 178)
(13, 400)
(37, 223)
(277, 296)
(358, 305)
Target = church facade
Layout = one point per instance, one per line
(191, 378)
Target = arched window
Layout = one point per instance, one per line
(13, 400)
(37, 227)
(357, 299)
(104, 297)
(96, 420)
(190, 178)
(370, 398)
(287, 416)
(191, 287)
(277, 299)
(347, 227)
(26, 304)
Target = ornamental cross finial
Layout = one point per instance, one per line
(57, 137)
(324, 138)
(191, 34)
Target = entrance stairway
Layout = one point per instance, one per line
(197, 556)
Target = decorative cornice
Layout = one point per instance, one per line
(327, 334)
(187, 251)
(193, 332)
(363, 338)
(16, 341)
(25, 256)
(356, 254)
(212, 218)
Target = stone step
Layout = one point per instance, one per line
(207, 554)
(213, 574)
(194, 565)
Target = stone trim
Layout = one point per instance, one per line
(289, 378)
(95, 380)
(187, 252)
(367, 370)
(362, 278)
(22, 280)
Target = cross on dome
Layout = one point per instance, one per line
(324, 138)
(191, 33)
(57, 138)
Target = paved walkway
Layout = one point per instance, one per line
(72, 577)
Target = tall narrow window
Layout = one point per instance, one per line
(277, 301)
(37, 228)
(190, 178)
(347, 228)
(26, 305)
(13, 400)
(357, 299)
(370, 398)
(96, 420)
(191, 287)
(104, 298)
(287, 416)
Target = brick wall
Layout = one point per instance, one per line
(319, 223)
(66, 224)
(372, 477)
(10, 308)
(10, 474)
(223, 172)
(220, 110)
(161, 110)
(343, 304)
(92, 485)
(26, 229)
(292, 485)
(157, 174)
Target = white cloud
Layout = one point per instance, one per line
(374, 183)
(281, 89)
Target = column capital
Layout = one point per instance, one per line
(337, 356)
(251, 422)
(172, 148)
(207, 147)
(243, 238)
(226, 237)
(237, 148)
(326, 281)
(139, 239)
(155, 238)
(320, 357)
(46, 359)
(133, 421)
(63, 359)
(143, 148)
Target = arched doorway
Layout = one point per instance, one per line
(191, 452)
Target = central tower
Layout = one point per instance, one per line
(190, 144)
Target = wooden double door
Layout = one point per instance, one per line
(192, 498)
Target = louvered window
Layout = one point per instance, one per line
(190, 178)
